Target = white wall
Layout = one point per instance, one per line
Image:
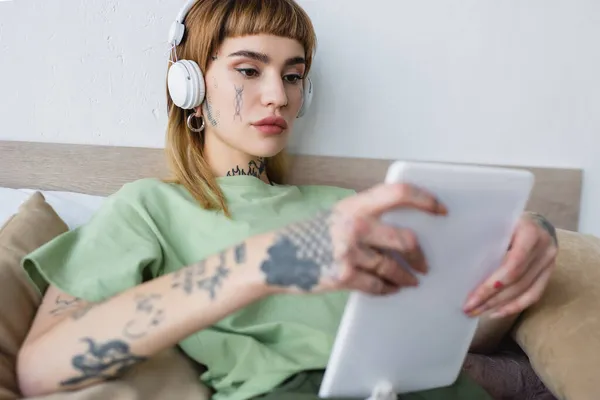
(513, 81)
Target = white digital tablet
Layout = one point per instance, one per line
(418, 338)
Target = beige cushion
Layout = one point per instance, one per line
(35, 224)
(168, 375)
(561, 333)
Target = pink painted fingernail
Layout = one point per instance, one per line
(498, 285)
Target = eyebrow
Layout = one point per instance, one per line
(265, 59)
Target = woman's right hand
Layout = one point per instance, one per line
(348, 247)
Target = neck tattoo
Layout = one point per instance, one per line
(255, 168)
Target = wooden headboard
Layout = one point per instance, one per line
(101, 170)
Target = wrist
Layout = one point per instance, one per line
(254, 278)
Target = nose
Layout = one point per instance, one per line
(274, 94)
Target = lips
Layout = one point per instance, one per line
(271, 125)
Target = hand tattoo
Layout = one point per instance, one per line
(301, 255)
(546, 225)
(104, 361)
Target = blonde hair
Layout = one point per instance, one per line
(208, 24)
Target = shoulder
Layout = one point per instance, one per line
(324, 193)
(144, 198)
(148, 191)
(145, 188)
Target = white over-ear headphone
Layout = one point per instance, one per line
(185, 80)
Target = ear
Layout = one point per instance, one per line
(198, 111)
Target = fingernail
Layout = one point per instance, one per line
(497, 314)
(498, 285)
(476, 312)
(470, 305)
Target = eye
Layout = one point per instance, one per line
(248, 72)
(293, 78)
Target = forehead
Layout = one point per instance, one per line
(278, 48)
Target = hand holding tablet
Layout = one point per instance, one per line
(416, 338)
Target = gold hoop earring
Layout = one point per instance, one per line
(191, 126)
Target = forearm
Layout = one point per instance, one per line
(100, 341)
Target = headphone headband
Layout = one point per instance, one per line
(178, 28)
(185, 9)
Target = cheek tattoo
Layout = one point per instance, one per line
(210, 115)
(239, 101)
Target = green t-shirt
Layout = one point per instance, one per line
(150, 228)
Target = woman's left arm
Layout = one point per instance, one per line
(517, 284)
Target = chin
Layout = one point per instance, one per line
(267, 153)
(269, 147)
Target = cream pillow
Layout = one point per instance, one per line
(561, 333)
(33, 225)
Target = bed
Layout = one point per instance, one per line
(101, 170)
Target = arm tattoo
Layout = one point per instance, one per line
(148, 315)
(240, 253)
(211, 283)
(239, 101)
(185, 278)
(546, 225)
(301, 255)
(196, 277)
(255, 168)
(104, 361)
(63, 305)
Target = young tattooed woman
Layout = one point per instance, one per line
(249, 276)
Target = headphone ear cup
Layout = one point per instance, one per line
(185, 82)
(307, 97)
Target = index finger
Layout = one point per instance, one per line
(386, 197)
